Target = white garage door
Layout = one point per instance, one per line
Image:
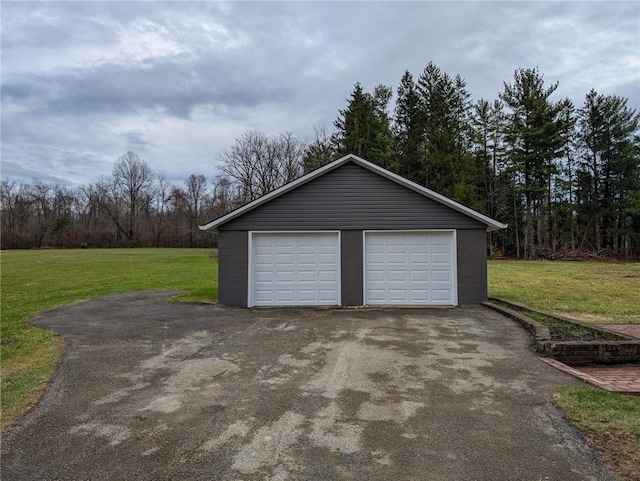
(295, 269)
(414, 268)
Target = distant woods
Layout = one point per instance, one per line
(565, 178)
(134, 207)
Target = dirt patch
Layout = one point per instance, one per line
(621, 451)
(564, 333)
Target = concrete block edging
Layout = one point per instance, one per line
(617, 349)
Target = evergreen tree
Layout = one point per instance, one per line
(564, 211)
(448, 162)
(363, 128)
(382, 148)
(409, 131)
(536, 135)
(494, 182)
(609, 173)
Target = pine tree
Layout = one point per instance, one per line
(382, 148)
(409, 131)
(363, 128)
(494, 182)
(609, 173)
(536, 135)
(448, 162)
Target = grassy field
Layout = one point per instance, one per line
(39, 279)
(602, 293)
(36, 280)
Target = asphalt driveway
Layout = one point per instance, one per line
(152, 390)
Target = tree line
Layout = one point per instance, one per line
(134, 207)
(565, 178)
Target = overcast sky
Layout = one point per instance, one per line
(177, 82)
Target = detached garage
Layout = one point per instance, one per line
(351, 234)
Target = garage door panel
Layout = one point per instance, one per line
(262, 277)
(398, 241)
(327, 277)
(295, 268)
(376, 258)
(440, 258)
(377, 242)
(409, 268)
(284, 258)
(284, 276)
(328, 259)
(263, 295)
(398, 295)
(440, 240)
(417, 295)
(308, 259)
(307, 241)
(306, 276)
(306, 295)
(418, 257)
(397, 258)
(375, 275)
(267, 259)
(443, 295)
(327, 295)
(395, 276)
(283, 295)
(284, 240)
(419, 275)
(263, 241)
(376, 295)
(326, 241)
(440, 276)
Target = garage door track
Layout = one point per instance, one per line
(154, 390)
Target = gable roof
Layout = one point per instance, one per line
(491, 224)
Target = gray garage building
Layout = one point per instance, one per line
(350, 234)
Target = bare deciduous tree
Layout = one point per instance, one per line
(131, 187)
(225, 196)
(319, 151)
(258, 164)
(196, 189)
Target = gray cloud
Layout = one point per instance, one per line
(83, 82)
(174, 87)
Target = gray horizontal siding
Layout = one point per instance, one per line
(472, 266)
(351, 267)
(233, 268)
(351, 197)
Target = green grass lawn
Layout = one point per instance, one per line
(601, 293)
(39, 279)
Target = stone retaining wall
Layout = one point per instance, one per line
(619, 350)
(579, 353)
